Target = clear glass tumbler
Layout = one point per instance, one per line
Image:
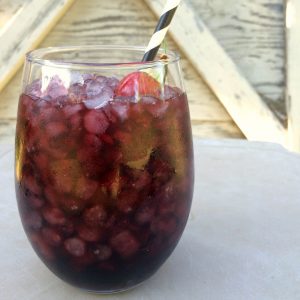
(104, 163)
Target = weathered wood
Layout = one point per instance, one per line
(245, 106)
(100, 22)
(8, 11)
(253, 35)
(216, 130)
(293, 82)
(31, 21)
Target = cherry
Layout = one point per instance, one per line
(125, 244)
(75, 246)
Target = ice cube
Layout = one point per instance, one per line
(154, 106)
(107, 139)
(56, 129)
(125, 244)
(70, 110)
(89, 234)
(77, 93)
(93, 141)
(49, 113)
(63, 183)
(166, 207)
(170, 92)
(142, 181)
(100, 79)
(51, 236)
(149, 100)
(145, 213)
(88, 76)
(76, 77)
(51, 195)
(112, 82)
(33, 220)
(67, 229)
(109, 113)
(168, 192)
(35, 202)
(42, 247)
(41, 161)
(87, 156)
(100, 99)
(31, 184)
(96, 122)
(111, 221)
(161, 171)
(120, 110)
(34, 89)
(58, 153)
(55, 88)
(165, 225)
(94, 88)
(75, 123)
(75, 246)
(54, 216)
(95, 215)
(25, 110)
(71, 205)
(127, 201)
(85, 188)
(122, 136)
(113, 182)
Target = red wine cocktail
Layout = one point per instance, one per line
(104, 163)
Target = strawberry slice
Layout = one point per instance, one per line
(138, 83)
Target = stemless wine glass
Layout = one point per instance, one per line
(104, 163)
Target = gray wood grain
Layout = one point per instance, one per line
(252, 33)
(248, 110)
(293, 77)
(23, 26)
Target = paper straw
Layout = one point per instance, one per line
(161, 29)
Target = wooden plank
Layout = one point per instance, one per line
(293, 62)
(9, 11)
(216, 130)
(31, 21)
(245, 106)
(253, 35)
(100, 22)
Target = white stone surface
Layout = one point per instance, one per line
(242, 240)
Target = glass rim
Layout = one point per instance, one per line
(36, 56)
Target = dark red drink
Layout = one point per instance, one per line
(104, 182)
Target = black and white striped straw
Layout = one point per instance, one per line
(161, 30)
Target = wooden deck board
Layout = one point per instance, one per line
(293, 78)
(223, 75)
(100, 22)
(31, 21)
(253, 34)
